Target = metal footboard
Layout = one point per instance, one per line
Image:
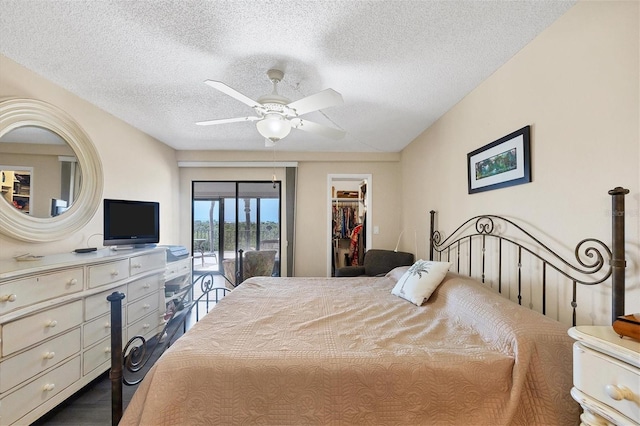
(130, 362)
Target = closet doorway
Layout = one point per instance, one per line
(349, 227)
(229, 216)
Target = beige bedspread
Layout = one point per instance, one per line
(294, 351)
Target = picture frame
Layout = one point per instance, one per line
(501, 163)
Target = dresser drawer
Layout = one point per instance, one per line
(147, 327)
(99, 355)
(98, 329)
(26, 331)
(144, 287)
(147, 262)
(28, 291)
(108, 273)
(177, 268)
(142, 307)
(97, 305)
(17, 404)
(38, 359)
(602, 377)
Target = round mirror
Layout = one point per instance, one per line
(51, 173)
(39, 172)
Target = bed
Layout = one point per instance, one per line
(280, 351)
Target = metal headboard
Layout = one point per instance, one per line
(588, 268)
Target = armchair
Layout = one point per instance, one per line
(254, 263)
(377, 262)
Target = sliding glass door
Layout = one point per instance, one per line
(233, 216)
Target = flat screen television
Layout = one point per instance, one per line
(129, 223)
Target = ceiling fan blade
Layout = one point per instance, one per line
(318, 129)
(321, 100)
(227, 120)
(218, 85)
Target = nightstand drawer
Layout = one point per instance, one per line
(606, 379)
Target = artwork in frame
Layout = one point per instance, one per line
(504, 162)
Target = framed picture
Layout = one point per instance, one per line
(502, 163)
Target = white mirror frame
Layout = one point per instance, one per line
(16, 113)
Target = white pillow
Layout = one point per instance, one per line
(420, 280)
(396, 273)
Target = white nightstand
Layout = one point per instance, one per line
(606, 376)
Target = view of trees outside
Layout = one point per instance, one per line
(206, 222)
(202, 229)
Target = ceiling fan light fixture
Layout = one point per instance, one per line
(274, 127)
(275, 114)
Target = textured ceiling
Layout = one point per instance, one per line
(399, 65)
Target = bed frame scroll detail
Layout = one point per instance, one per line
(588, 268)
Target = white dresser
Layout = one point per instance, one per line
(606, 376)
(55, 322)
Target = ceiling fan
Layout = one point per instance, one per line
(276, 115)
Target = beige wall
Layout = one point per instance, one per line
(135, 165)
(312, 234)
(577, 85)
(312, 239)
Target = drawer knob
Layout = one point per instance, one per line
(48, 387)
(49, 355)
(107, 325)
(73, 281)
(147, 285)
(146, 326)
(8, 298)
(114, 273)
(146, 306)
(619, 392)
(137, 266)
(107, 350)
(52, 323)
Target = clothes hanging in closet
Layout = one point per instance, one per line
(344, 220)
